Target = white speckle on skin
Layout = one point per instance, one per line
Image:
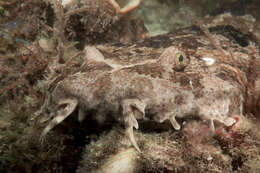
(191, 84)
(210, 158)
(209, 61)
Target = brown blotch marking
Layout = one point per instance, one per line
(196, 81)
(153, 70)
(198, 93)
(181, 78)
(179, 100)
(102, 85)
(197, 87)
(184, 81)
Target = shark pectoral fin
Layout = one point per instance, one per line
(212, 126)
(174, 123)
(61, 115)
(129, 105)
(131, 122)
(130, 134)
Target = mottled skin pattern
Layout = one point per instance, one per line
(131, 82)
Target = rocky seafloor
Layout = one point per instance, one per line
(89, 147)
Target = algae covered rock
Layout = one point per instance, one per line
(113, 153)
(99, 22)
(194, 149)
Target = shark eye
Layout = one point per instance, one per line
(180, 58)
(181, 61)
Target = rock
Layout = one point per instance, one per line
(111, 154)
(102, 22)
